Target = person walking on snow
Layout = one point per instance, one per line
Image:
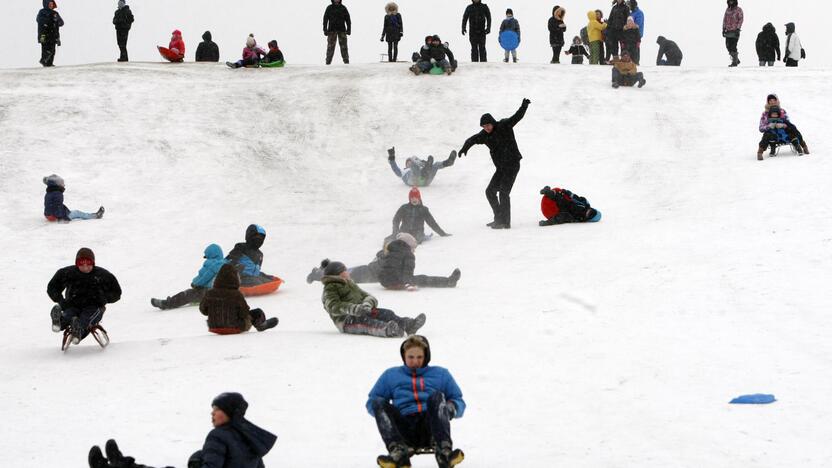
(199, 285)
(392, 30)
(123, 20)
(476, 21)
(511, 24)
(500, 140)
(768, 44)
(412, 216)
(251, 54)
(556, 29)
(794, 50)
(227, 310)
(81, 293)
(337, 26)
(418, 172)
(207, 50)
(413, 406)
(53, 202)
(49, 32)
(731, 26)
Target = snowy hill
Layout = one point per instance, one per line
(608, 345)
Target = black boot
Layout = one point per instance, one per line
(266, 324)
(55, 315)
(447, 457)
(100, 213)
(96, 458)
(412, 325)
(397, 458)
(455, 275)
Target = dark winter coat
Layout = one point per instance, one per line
(225, 305)
(123, 19)
(768, 44)
(477, 18)
(393, 27)
(411, 219)
(438, 53)
(618, 17)
(247, 255)
(49, 23)
(274, 55)
(556, 27)
(577, 51)
(501, 141)
(237, 444)
(669, 49)
(631, 37)
(71, 288)
(343, 298)
(337, 19)
(207, 51)
(53, 203)
(397, 265)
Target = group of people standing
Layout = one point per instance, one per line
(767, 43)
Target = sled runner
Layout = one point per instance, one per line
(170, 55)
(384, 461)
(97, 331)
(261, 289)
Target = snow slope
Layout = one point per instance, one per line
(616, 344)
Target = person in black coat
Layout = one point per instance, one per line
(247, 258)
(398, 264)
(476, 21)
(207, 50)
(337, 26)
(615, 27)
(123, 20)
(670, 50)
(577, 51)
(768, 44)
(411, 218)
(556, 29)
(234, 442)
(393, 30)
(434, 53)
(81, 292)
(49, 32)
(500, 140)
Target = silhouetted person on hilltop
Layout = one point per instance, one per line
(207, 50)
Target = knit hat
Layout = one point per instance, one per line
(122, 4)
(250, 42)
(333, 268)
(176, 32)
(232, 404)
(422, 341)
(54, 179)
(407, 239)
(415, 193)
(487, 119)
(509, 12)
(84, 253)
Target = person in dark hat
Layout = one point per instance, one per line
(49, 32)
(500, 140)
(207, 50)
(412, 217)
(235, 442)
(773, 101)
(337, 26)
(413, 406)
(768, 46)
(669, 53)
(476, 21)
(123, 21)
(248, 259)
(80, 293)
(731, 28)
(510, 23)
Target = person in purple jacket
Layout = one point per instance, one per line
(413, 406)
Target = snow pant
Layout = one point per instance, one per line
(763, 63)
(671, 63)
(626, 80)
(425, 65)
(121, 40)
(772, 137)
(513, 55)
(577, 60)
(363, 274)
(478, 52)
(791, 63)
(88, 316)
(193, 294)
(392, 51)
(430, 427)
(595, 52)
(423, 281)
(374, 323)
(556, 49)
(78, 214)
(612, 43)
(498, 192)
(341, 37)
(731, 45)
(251, 61)
(47, 53)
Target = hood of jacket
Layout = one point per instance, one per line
(391, 8)
(591, 16)
(46, 3)
(255, 236)
(660, 40)
(427, 349)
(177, 33)
(227, 278)
(206, 36)
(769, 28)
(487, 119)
(214, 252)
(558, 12)
(789, 28)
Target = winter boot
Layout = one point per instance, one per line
(454, 278)
(158, 303)
(100, 213)
(804, 146)
(796, 146)
(397, 458)
(773, 151)
(232, 65)
(451, 159)
(55, 314)
(75, 330)
(615, 84)
(501, 226)
(113, 452)
(266, 324)
(514, 59)
(393, 330)
(760, 154)
(735, 59)
(447, 457)
(412, 325)
(315, 275)
(415, 69)
(96, 458)
(642, 82)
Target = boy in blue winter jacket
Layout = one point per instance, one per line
(413, 406)
(53, 203)
(247, 257)
(200, 284)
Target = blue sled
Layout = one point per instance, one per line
(755, 399)
(509, 40)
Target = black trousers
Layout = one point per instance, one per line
(791, 63)
(556, 49)
(428, 428)
(392, 51)
(498, 192)
(612, 43)
(478, 53)
(731, 44)
(47, 53)
(185, 297)
(121, 40)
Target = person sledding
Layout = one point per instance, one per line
(274, 55)
(81, 293)
(413, 405)
(247, 258)
(227, 310)
(561, 206)
(625, 72)
(434, 54)
(777, 131)
(355, 312)
(53, 202)
(398, 264)
(235, 442)
(252, 54)
(412, 216)
(199, 285)
(176, 46)
(773, 101)
(418, 172)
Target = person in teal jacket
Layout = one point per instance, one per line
(413, 406)
(201, 283)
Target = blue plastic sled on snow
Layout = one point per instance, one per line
(755, 399)
(509, 40)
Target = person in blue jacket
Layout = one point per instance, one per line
(203, 281)
(638, 16)
(413, 406)
(53, 202)
(248, 259)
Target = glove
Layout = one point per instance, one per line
(772, 126)
(366, 309)
(526, 102)
(382, 39)
(349, 32)
(488, 31)
(781, 125)
(433, 61)
(391, 154)
(326, 33)
(42, 39)
(58, 43)
(451, 410)
(463, 32)
(545, 190)
(460, 154)
(785, 59)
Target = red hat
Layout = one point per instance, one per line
(414, 193)
(85, 256)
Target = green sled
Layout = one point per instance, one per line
(278, 64)
(437, 71)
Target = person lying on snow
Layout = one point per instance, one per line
(53, 202)
(771, 101)
(177, 45)
(776, 130)
(251, 54)
(413, 406)
(398, 264)
(625, 72)
(227, 310)
(411, 218)
(434, 54)
(247, 258)
(355, 312)
(199, 285)
(418, 172)
(81, 292)
(568, 207)
(234, 441)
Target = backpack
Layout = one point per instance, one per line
(584, 36)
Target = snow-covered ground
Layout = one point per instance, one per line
(615, 344)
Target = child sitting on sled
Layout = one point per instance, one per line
(53, 202)
(251, 54)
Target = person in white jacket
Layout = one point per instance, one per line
(794, 50)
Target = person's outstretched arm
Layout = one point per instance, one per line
(518, 116)
(433, 224)
(477, 139)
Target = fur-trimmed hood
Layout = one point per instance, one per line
(559, 12)
(391, 8)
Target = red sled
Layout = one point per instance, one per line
(262, 289)
(170, 55)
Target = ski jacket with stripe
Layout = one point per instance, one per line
(409, 389)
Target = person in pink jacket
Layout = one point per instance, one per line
(731, 26)
(177, 44)
(251, 54)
